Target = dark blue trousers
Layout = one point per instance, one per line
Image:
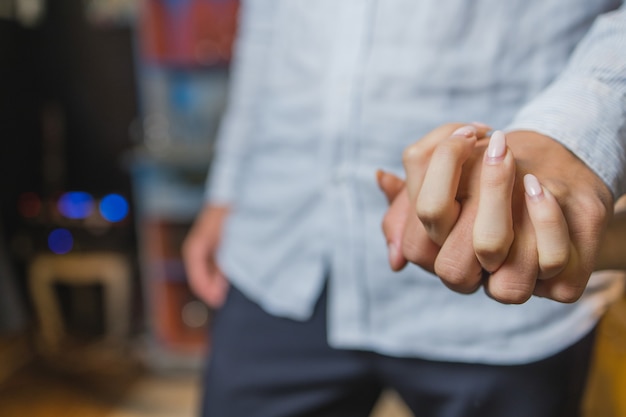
(266, 366)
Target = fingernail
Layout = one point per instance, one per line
(497, 146)
(394, 251)
(466, 131)
(533, 187)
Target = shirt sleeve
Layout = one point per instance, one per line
(585, 107)
(232, 143)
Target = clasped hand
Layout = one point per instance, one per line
(474, 212)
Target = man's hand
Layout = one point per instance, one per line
(400, 217)
(199, 249)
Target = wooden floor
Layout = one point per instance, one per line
(38, 391)
(42, 391)
(117, 386)
(606, 391)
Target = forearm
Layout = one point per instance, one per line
(233, 139)
(584, 107)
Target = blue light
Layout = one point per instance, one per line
(76, 205)
(113, 207)
(60, 241)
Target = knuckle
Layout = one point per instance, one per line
(491, 249)
(567, 293)
(549, 270)
(429, 213)
(492, 261)
(454, 277)
(593, 209)
(553, 262)
(412, 154)
(511, 294)
(489, 245)
(412, 249)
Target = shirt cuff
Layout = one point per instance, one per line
(587, 117)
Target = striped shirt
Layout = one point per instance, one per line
(325, 92)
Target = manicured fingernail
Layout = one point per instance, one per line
(466, 131)
(497, 146)
(533, 187)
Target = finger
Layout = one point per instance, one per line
(493, 229)
(551, 231)
(568, 286)
(403, 231)
(416, 157)
(393, 228)
(199, 248)
(456, 263)
(390, 184)
(417, 247)
(514, 281)
(585, 201)
(215, 294)
(198, 270)
(205, 278)
(436, 205)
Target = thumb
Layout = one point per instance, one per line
(390, 184)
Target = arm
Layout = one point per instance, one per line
(479, 176)
(571, 137)
(203, 240)
(493, 218)
(517, 266)
(584, 108)
(199, 251)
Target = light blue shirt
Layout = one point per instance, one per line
(325, 92)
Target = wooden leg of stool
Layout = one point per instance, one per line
(117, 277)
(41, 283)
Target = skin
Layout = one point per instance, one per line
(447, 216)
(518, 262)
(549, 223)
(551, 232)
(199, 251)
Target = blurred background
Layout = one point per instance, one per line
(108, 111)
